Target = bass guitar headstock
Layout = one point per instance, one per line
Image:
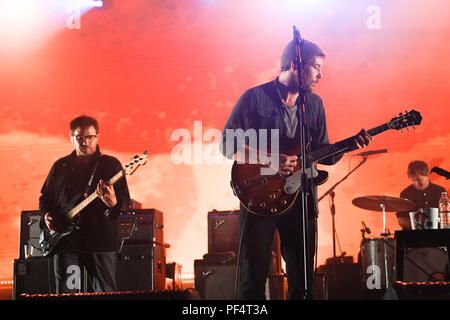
(135, 163)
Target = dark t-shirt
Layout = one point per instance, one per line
(428, 198)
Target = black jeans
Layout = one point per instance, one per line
(254, 256)
(69, 268)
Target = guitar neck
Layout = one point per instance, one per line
(342, 146)
(72, 213)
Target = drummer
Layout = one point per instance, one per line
(422, 192)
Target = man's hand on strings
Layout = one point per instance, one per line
(362, 139)
(287, 164)
(51, 221)
(106, 193)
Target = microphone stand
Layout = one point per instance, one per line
(344, 178)
(303, 180)
(333, 213)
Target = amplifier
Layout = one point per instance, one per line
(141, 260)
(141, 225)
(343, 281)
(141, 267)
(33, 276)
(29, 234)
(223, 231)
(217, 282)
(133, 225)
(223, 236)
(214, 281)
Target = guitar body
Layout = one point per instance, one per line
(49, 240)
(267, 194)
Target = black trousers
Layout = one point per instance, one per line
(69, 269)
(257, 234)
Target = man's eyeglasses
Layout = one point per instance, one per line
(88, 138)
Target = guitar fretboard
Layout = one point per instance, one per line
(72, 213)
(341, 146)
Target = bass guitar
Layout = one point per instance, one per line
(49, 240)
(273, 194)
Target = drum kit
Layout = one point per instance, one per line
(422, 264)
(380, 252)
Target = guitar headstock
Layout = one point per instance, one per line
(135, 162)
(411, 118)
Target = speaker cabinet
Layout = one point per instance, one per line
(141, 267)
(32, 276)
(223, 231)
(343, 281)
(217, 282)
(141, 259)
(214, 282)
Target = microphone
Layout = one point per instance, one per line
(370, 153)
(365, 227)
(441, 172)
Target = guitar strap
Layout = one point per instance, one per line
(85, 193)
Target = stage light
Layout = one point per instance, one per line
(91, 3)
(18, 15)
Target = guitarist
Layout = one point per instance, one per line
(273, 106)
(93, 243)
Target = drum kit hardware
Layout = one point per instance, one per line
(376, 250)
(383, 204)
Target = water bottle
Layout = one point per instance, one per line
(444, 211)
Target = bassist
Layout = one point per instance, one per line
(93, 243)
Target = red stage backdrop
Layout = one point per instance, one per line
(146, 68)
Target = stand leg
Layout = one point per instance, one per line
(385, 247)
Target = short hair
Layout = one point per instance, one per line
(417, 167)
(82, 122)
(308, 50)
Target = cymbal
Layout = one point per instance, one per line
(391, 204)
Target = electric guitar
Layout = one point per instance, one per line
(273, 194)
(49, 240)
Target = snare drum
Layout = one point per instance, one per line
(372, 261)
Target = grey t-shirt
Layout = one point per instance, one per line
(290, 120)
